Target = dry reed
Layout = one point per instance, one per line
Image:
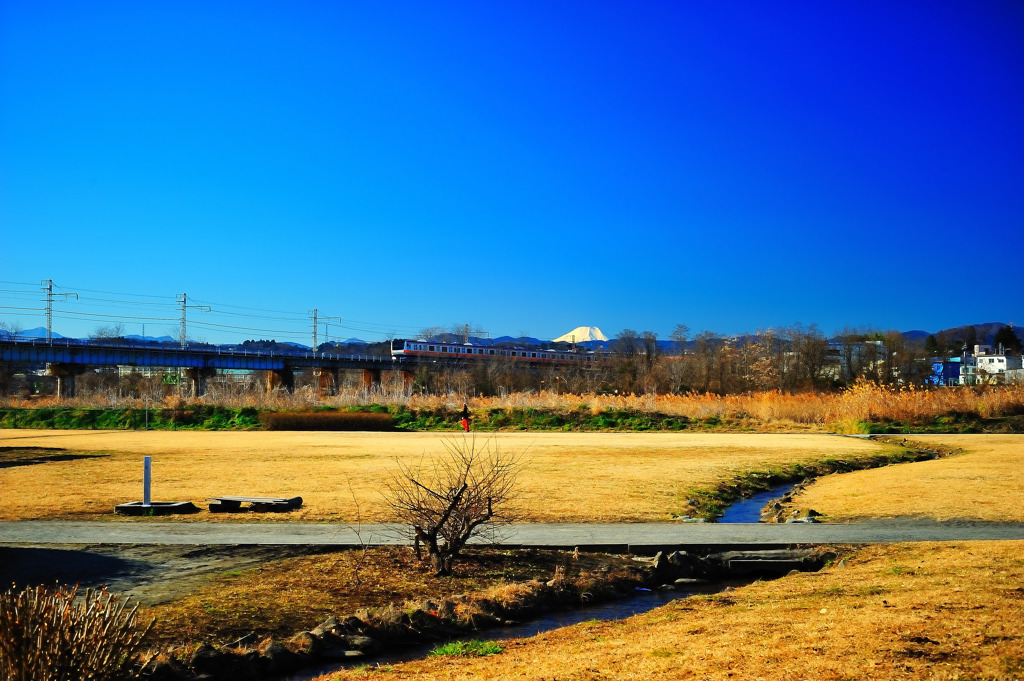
(48, 634)
(842, 411)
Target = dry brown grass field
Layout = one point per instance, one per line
(984, 483)
(919, 611)
(904, 611)
(281, 597)
(567, 477)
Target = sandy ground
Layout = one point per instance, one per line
(984, 483)
(566, 477)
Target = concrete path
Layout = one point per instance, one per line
(614, 538)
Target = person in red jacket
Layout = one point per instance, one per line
(465, 417)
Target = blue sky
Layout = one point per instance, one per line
(524, 167)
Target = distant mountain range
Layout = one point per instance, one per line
(38, 332)
(146, 339)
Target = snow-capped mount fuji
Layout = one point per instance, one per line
(582, 334)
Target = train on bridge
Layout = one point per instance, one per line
(428, 349)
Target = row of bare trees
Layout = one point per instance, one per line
(793, 358)
(788, 359)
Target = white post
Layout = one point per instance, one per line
(147, 464)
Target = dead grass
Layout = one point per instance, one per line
(567, 477)
(921, 611)
(984, 483)
(843, 411)
(284, 597)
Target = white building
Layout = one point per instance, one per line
(986, 367)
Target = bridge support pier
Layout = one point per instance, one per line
(197, 378)
(278, 378)
(371, 379)
(327, 381)
(65, 374)
(408, 378)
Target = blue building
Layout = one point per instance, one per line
(946, 371)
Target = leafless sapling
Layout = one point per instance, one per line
(466, 492)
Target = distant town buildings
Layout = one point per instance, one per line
(984, 366)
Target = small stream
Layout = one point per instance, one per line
(749, 510)
(742, 511)
(609, 610)
(556, 619)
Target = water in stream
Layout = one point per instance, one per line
(610, 610)
(556, 619)
(749, 510)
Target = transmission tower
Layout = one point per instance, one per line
(464, 332)
(47, 285)
(315, 312)
(183, 299)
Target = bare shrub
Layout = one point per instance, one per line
(48, 634)
(445, 502)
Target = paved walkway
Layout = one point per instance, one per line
(622, 537)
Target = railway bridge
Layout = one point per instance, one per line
(66, 358)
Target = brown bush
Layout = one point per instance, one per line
(327, 420)
(48, 634)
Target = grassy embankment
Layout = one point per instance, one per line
(933, 610)
(866, 408)
(281, 598)
(919, 611)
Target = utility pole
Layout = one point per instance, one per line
(183, 299)
(47, 285)
(316, 323)
(314, 313)
(465, 331)
(327, 322)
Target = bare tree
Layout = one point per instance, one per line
(811, 349)
(707, 348)
(465, 493)
(432, 333)
(679, 336)
(10, 330)
(111, 332)
(626, 355)
(650, 350)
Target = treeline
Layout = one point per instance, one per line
(791, 359)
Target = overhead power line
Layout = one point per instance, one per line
(8, 307)
(75, 314)
(98, 305)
